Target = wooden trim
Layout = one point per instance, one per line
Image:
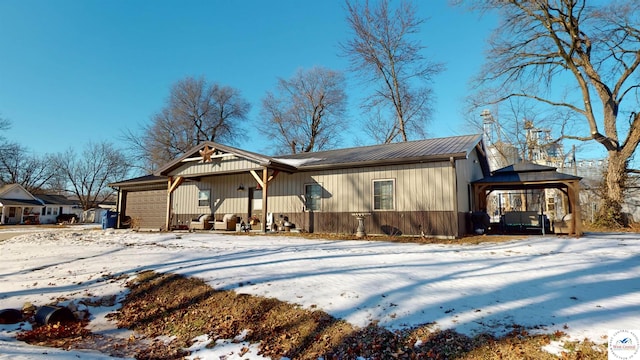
(257, 177)
(175, 184)
(171, 187)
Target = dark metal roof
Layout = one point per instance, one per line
(438, 149)
(19, 202)
(142, 180)
(411, 151)
(526, 172)
(53, 199)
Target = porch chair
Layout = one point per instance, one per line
(200, 223)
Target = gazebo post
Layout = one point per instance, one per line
(574, 203)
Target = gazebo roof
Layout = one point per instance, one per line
(526, 173)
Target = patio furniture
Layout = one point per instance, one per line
(524, 221)
(564, 225)
(201, 222)
(228, 222)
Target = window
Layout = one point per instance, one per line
(12, 212)
(55, 211)
(203, 197)
(48, 211)
(383, 194)
(312, 196)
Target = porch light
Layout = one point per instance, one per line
(241, 187)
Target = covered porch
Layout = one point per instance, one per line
(18, 211)
(524, 180)
(232, 184)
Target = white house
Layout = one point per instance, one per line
(55, 205)
(18, 206)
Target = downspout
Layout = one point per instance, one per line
(265, 190)
(119, 209)
(452, 161)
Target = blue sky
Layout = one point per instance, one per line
(78, 71)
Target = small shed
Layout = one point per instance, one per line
(529, 176)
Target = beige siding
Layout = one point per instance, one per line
(427, 186)
(467, 171)
(425, 196)
(229, 164)
(421, 187)
(225, 198)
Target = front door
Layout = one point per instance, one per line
(255, 203)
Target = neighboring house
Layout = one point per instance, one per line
(55, 205)
(410, 188)
(18, 206)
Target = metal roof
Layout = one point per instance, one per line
(438, 149)
(402, 152)
(19, 202)
(54, 199)
(526, 172)
(141, 180)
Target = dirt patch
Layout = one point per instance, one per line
(8, 235)
(465, 240)
(167, 305)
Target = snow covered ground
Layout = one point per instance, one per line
(582, 286)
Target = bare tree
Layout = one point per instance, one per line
(195, 111)
(541, 47)
(33, 172)
(87, 175)
(384, 53)
(306, 112)
(5, 124)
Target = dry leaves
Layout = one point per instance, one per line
(184, 308)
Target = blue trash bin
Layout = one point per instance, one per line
(109, 219)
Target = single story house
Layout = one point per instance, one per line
(54, 205)
(18, 206)
(410, 188)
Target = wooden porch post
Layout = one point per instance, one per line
(171, 187)
(479, 197)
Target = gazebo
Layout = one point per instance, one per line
(527, 176)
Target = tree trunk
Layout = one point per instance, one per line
(615, 177)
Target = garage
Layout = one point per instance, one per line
(143, 202)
